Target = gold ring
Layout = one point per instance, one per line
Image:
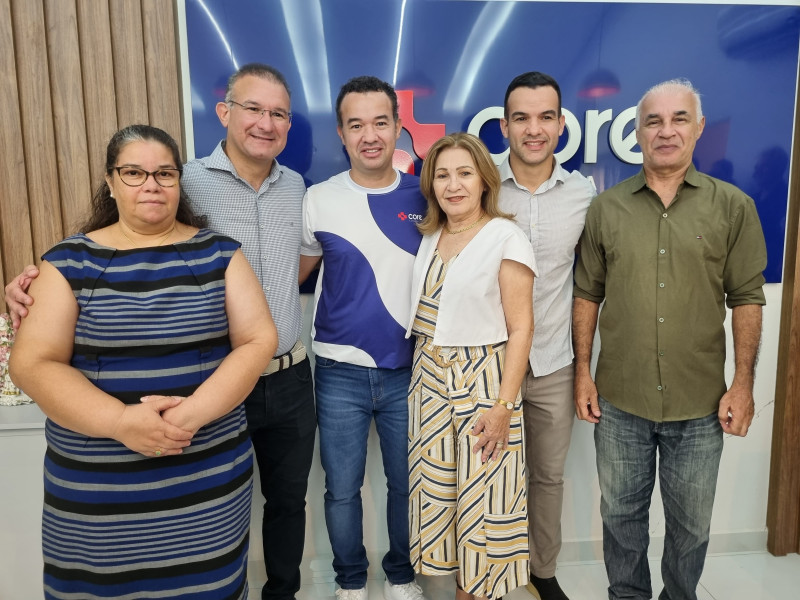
(157, 452)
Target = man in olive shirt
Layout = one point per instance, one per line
(666, 250)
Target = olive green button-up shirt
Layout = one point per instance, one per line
(665, 275)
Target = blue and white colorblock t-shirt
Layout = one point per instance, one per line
(368, 239)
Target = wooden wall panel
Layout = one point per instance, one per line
(97, 72)
(130, 77)
(33, 78)
(163, 72)
(15, 231)
(71, 73)
(783, 506)
(68, 116)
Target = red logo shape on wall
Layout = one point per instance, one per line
(423, 135)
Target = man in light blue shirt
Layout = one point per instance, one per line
(549, 204)
(249, 196)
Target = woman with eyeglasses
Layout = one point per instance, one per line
(146, 334)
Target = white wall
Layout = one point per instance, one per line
(21, 494)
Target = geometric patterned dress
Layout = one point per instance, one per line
(465, 516)
(117, 524)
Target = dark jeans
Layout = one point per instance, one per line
(688, 461)
(282, 424)
(349, 397)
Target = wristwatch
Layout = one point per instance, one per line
(507, 403)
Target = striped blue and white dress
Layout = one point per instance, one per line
(117, 524)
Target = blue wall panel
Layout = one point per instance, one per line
(457, 57)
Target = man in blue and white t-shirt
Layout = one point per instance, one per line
(358, 222)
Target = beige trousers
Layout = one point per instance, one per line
(549, 412)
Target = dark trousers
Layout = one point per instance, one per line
(282, 424)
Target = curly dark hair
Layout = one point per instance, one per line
(103, 211)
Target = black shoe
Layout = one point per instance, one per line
(545, 589)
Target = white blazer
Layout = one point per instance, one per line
(470, 310)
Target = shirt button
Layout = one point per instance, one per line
(661, 353)
(660, 285)
(662, 251)
(660, 319)
(659, 388)
(665, 215)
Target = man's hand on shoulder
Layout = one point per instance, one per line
(16, 298)
(736, 410)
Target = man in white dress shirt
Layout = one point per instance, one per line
(550, 205)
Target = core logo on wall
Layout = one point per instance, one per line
(621, 137)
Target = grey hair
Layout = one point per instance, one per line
(680, 84)
(256, 70)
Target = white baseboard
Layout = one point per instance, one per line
(318, 571)
(578, 551)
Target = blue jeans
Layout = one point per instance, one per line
(688, 454)
(282, 426)
(348, 397)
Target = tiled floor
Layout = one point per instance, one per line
(752, 576)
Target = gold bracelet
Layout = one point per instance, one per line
(507, 403)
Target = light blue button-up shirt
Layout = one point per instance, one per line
(552, 217)
(267, 222)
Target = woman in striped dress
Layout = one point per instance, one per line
(145, 336)
(473, 322)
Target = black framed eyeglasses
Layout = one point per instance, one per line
(276, 114)
(134, 176)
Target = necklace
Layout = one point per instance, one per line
(467, 228)
(161, 240)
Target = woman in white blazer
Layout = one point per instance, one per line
(473, 321)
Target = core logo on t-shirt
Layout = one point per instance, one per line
(410, 216)
(397, 212)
